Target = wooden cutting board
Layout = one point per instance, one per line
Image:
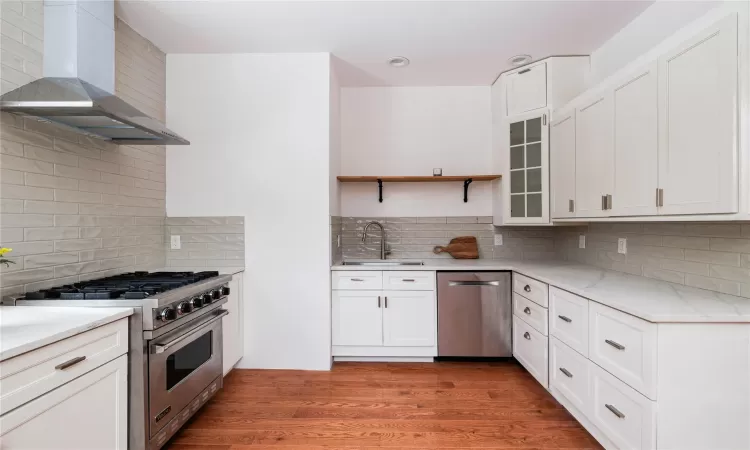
(464, 247)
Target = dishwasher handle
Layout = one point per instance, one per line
(473, 283)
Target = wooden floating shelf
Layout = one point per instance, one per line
(467, 179)
(418, 179)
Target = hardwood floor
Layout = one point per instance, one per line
(380, 405)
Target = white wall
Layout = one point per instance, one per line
(335, 140)
(652, 26)
(410, 131)
(259, 131)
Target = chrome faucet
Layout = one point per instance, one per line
(383, 251)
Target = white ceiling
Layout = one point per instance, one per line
(448, 42)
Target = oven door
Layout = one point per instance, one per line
(182, 363)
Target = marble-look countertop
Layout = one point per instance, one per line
(26, 328)
(651, 300)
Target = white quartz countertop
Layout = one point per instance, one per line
(26, 328)
(652, 300)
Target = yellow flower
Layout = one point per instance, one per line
(4, 250)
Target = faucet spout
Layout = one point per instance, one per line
(383, 251)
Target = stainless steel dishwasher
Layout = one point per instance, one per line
(474, 314)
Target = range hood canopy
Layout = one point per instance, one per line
(76, 104)
(79, 72)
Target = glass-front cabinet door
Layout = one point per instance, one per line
(527, 174)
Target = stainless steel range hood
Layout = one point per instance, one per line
(79, 74)
(78, 105)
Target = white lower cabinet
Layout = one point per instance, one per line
(569, 374)
(88, 413)
(530, 349)
(385, 323)
(232, 335)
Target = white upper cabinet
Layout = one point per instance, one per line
(526, 89)
(594, 156)
(635, 144)
(698, 133)
(528, 169)
(563, 165)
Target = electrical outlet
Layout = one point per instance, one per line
(498, 239)
(174, 242)
(622, 245)
(582, 241)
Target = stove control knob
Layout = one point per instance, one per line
(207, 299)
(167, 314)
(216, 294)
(225, 290)
(196, 302)
(184, 308)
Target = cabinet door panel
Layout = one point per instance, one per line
(231, 326)
(636, 142)
(594, 155)
(527, 174)
(357, 318)
(527, 89)
(698, 123)
(88, 413)
(409, 318)
(563, 166)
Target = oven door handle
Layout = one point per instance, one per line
(161, 348)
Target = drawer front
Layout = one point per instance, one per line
(409, 280)
(534, 290)
(530, 349)
(357, 280)
(625, 346)
(530, 312)
(625, 416)
(33, 374)
(569, 319)
(569, 374)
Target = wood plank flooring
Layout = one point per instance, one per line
(380, 405)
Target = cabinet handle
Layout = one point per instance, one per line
(527, 336)
(527, 288)
(615, 344)
(70, 363)
(604, 202)
(527, 310)
(571, 205)
(565, 371)
(609, 201)
(357, 279)
(521, 72)
(659, 197)
(378, 301)
(565, 319)
(386, 301)
(615, 411)
(408, 280)
(544, 119)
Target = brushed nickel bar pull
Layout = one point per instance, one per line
(378, 301)
(571, 205)
(604, 202)
(408, 280)
(386, 301)
(615, 344)
(565, 371)
(357, 279)
(527, 310)
(660, 197)
(565, 319)
(615, 411)
(527, 336)
(70, 363)
(520, 72)
(609, 201)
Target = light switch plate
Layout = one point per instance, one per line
(498, 239)
(174, 242)
(582, 241)
(622, 245)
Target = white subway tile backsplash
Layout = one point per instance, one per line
(209, 242)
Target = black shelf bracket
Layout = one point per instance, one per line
(467, 182)
(380, 190)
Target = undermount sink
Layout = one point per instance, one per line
(379, 262)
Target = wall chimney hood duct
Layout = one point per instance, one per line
(76, 91)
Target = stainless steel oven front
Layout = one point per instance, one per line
(182, 363)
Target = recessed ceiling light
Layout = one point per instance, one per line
(398, 61)
(519, 60)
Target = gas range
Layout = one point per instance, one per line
(164, 297)
(176, 345)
